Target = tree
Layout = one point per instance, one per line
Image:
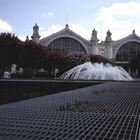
(65, 62)
(55, 60)
(77, 59)
(33, 55)
(10, 47)
(98, 59)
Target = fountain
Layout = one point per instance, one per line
(96, 71)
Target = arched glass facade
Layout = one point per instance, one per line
(66, 45)
(128, 52)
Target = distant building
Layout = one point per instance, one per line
(66, 41)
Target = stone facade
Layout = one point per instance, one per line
(108, 48)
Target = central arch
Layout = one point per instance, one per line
(66, 45)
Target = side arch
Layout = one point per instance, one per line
(126, 54)
(122, 44)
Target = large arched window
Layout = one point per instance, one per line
(128, 52)
(66, 45)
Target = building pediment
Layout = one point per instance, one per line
(66, 32)
(132, 37)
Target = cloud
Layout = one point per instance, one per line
(43, 15)
(120, 18)
(41, 28)
(80, 30)
(57, 27)
(44, 33)
(50, 14)
(23, 37)
(5, 27)
(52, 29)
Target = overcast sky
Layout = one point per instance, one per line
(120, 16)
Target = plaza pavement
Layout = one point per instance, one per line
(109, 111)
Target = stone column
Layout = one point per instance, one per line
(108, 45)
(94, 43)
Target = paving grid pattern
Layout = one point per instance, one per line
(113, 114)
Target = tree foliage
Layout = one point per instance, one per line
(65, 62)
(10, 47)
(32, 54)
(77, 59)
(24, 54)
(98, 59)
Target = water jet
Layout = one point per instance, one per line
(96, 71)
